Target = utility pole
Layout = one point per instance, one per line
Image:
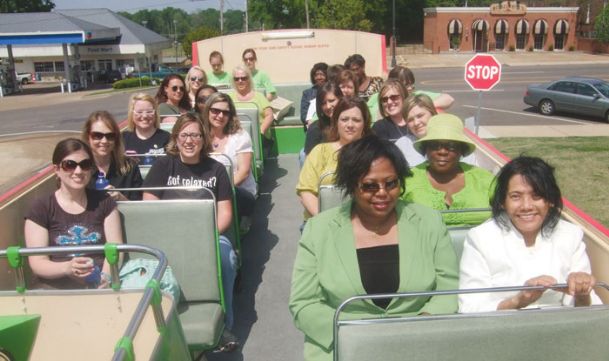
(307, 13)
(393, 40)
(246, 18)
(175, 38)
(221, 17)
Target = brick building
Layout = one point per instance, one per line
(506, 26)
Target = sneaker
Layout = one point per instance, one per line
(228, 342)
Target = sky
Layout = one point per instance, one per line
(133, 6)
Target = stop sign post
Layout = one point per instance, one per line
(482, 73)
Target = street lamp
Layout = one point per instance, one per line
(175, 38)
(393, 60)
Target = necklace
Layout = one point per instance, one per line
(217, 142)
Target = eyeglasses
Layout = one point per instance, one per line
(240, 78)
(249, 59)
(449, 146)
(373, 187)
(393, 98)
(176, 88)
(194, 136)
(201, 100)
(99, 136)
(144, 112)
(69, 165)
(195, 78)
(216, 111)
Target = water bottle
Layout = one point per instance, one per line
(94, 278)
(101, 183)
(148, 160)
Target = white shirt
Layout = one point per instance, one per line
(312, 110)
(493, 257)
(238, 143)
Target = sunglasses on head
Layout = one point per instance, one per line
(393, 98)
(216, 111)
(195, 78)
(373, 187)
(240, 78)
(99, 136)
(449, 146)
(69, 165)
(175, 88)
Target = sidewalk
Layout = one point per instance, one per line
(458, 59)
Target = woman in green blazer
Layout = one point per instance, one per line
(375, 243)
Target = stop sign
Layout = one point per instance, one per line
(482, 72)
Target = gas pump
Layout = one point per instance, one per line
(6, 80)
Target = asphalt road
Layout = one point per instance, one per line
(503, 105)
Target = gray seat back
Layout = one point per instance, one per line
(541, 335)
(186, 231)
(330, 196)
(248, 112)
(457, 236)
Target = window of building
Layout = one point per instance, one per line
(539, 41)
(87, 65)
(521, 41)
(104, 64)
(44, 67)
(59, 66)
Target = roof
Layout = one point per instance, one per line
(132, 32)
(583, 79)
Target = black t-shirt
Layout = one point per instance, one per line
(169, 171)
(313, 137)
(387, 129)
(153, 145)
(132, 179)
(66, 229)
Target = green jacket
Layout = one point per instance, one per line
(475, 194)
(326, 272)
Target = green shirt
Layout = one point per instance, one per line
(262, 81)
(475, 194)
(218, 79)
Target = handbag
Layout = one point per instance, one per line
(136, 273)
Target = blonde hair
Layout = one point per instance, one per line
(189, 74)
(420, 100)
(247, 72)
(392, 84)
(145, 98)
(122, 163)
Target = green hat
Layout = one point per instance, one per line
(445, 127)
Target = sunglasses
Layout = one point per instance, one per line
(69, 165)
(175, 88)
(194, 78)
(194, 136)
(201, 100)
(449, 146)
(216, 111)
(99, 136)
(393, 98)
(240, 78)
(373, 187)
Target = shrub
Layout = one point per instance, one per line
(134, 82)
(512, 48)
(551, 47)
(531, 48)
(571, 48)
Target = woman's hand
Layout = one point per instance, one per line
(117, 196)
(79, 268)
(579, 285)
(526, 297)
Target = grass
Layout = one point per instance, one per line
(581, 167)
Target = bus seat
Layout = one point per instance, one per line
(250, 126)
(330, 196)
(457, 236)
(540, 334)
(167, 127)
(233, 233)
(292, 92)
(192, 251)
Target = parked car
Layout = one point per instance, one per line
(24, 78)
(577, 95)
(161, 72)
(110, 76)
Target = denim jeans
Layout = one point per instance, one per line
(228, 262)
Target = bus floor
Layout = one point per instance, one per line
(263, 323)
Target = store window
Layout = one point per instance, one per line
(44, 67)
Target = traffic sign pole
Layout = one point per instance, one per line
(482, 73)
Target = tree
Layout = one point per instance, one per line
(601, 25)
(26, 6)
(343, 14)
(195, 35)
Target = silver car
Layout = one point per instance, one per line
(577, 95)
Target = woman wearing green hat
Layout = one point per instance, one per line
(443, 182)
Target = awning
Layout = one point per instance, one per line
(561, 27)
(541, 27)
(501, 27)
(455, 27)
(480, 25)
(522, 27)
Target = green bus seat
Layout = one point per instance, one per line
(292, 92)
(192, 250)
(540, 335)
(248, 117)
